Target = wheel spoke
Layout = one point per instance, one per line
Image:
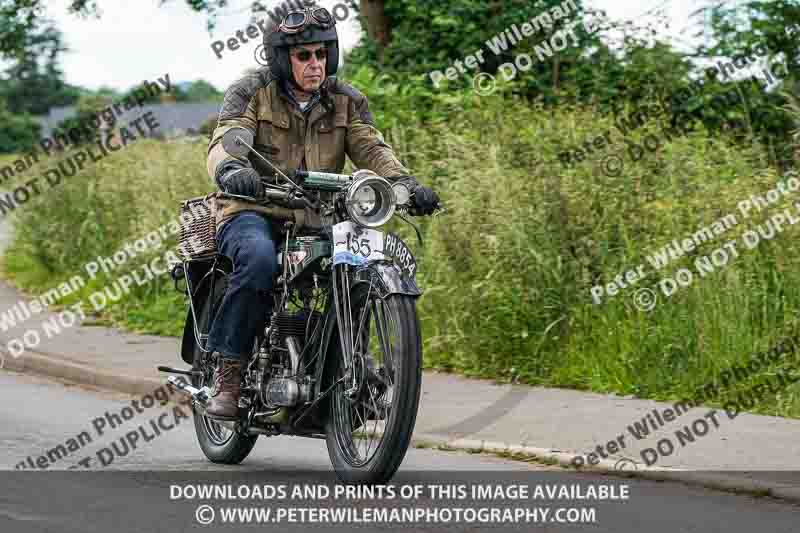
(363, 422)
(377, 414)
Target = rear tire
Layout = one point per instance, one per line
(219, 443)
(403, 368)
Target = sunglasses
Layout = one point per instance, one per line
(296, 21)
(304, 56)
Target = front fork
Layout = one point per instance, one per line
(344, 321)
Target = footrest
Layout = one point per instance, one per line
(171, 370)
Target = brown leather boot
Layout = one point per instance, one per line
(224, 401)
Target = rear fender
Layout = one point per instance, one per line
(199, 278)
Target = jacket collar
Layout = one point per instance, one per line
(316, 97)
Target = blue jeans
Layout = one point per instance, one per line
(247, 241)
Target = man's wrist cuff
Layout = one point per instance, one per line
(226, 168)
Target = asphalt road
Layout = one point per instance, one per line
(137, 490)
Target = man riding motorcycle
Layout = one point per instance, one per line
(302, 118)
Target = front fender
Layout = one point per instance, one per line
(394, 282)
(392, 278)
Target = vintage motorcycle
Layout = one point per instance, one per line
(340, 358)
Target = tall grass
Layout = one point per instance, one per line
(95, 213)
(508, 268)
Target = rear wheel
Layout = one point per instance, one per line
(219, 443)
(373, 406)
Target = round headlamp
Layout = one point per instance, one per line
(370, 200)
(401, 193)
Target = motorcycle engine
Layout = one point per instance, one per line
(288, 384)
(281, 392)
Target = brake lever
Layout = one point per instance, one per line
(419, 234)
(278, 171)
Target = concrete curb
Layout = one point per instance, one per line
(711, 480)
(54, 366)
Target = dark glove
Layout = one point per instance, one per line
(424, 201)
(244, 181)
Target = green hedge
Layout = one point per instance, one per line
(508, 268)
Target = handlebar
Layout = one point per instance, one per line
(332, 182)
(236, 138)
(293, 197)
(323, 181)
(305, 175)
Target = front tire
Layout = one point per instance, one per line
(219, 444)
(389, 396)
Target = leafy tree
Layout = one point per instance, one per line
(34, 83)
(108, 92)
(88, 108)
(453, 30)
(738, 31)
(197, 91)
(18, 19)
(22, 19)
(19, 131)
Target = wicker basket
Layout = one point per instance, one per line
(198, 228)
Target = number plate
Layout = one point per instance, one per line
(396, 249)
(355, 245)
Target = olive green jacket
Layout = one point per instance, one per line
(318, 139)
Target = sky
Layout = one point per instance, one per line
(137, 40)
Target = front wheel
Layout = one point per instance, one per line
(373, 406)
